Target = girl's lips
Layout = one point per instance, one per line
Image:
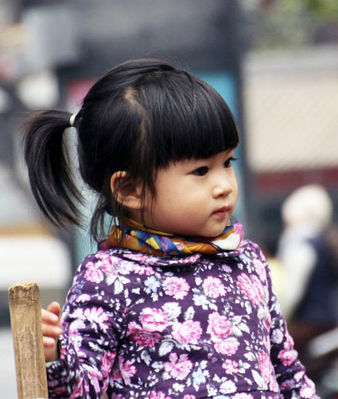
(222, 212)
(224, 209)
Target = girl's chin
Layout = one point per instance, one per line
(214, 234)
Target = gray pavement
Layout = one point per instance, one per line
(7, 365)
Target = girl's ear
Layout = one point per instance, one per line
(126, 191)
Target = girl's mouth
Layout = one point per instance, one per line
(222, 212)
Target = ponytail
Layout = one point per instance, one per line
(49, 170)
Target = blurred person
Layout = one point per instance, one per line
(310, 300)
(269, 246)
(175, 303)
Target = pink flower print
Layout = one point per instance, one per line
(93, 273)
(188, 332)
(94, 377)
(158, 395)
(97, 315)
(116, 373)
(189, 397)
(190, 259)
(299, 375)
(133, 327)
(75, 326)
(245, 284)
(230, 366)
(109, 268)
(75, 338)
(105, 257)
(226, 268)
(266, 343)
(265, 367)
(107, 363)
(267, 321)
(252, 289)
(287, 356)
(289, 342)
(178, 367)
(258, 287)
(142, 337)
(154, 319)
(260, 269)
(227, 346)
(219, 326)
(83, 298)
(77, 393)
(141, 258)
(127, 369)
(308, 390)
(277, 336)
(142, 270)
(242, 395)
(213, 287)
(176, 287)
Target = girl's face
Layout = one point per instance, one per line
(194, 197)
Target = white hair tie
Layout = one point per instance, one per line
(72, 120)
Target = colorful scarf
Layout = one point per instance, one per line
(133, 235)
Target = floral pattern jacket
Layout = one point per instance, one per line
(199, 326)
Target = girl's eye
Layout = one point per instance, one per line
(228, 162)
(202, 171)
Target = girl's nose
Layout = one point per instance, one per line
(223, 187)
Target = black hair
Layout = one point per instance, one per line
(139, 117)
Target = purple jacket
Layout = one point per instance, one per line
(141, 326)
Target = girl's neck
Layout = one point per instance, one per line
(133, 224)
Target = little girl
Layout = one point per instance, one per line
(174, 304)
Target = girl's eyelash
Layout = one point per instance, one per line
(229, 161)
(201, 171)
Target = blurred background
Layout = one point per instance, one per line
(274, 61)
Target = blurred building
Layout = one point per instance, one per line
(291, 107)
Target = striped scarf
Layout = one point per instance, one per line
(133, 235)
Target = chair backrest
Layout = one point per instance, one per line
(25, 313)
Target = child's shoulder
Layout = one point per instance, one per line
(111, 273)
(252, 258)
(252, 249)
(116, 261)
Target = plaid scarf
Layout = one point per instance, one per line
(133, 235)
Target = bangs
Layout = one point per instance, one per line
(187, 119)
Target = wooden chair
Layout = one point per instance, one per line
(25, 313)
